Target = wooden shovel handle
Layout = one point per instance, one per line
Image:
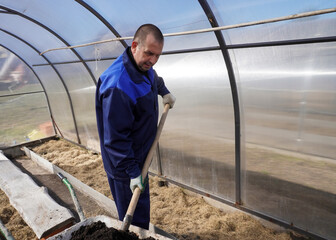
(136, 193)
(150, 154)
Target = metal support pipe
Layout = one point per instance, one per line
(236, 109)
(213, 29)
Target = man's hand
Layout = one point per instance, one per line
(170, 99)
(136, 182)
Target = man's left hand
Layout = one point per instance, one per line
(136, 182)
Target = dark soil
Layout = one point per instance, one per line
(98, 230)
(2, 236)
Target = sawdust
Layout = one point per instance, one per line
(192, 217)
(184, 216)
(172, 209)
(83, 164)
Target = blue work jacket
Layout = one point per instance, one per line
(127, 115)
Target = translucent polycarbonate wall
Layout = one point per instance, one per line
(188, 15)
(23, 106)
(19, 48)
(226, 14)
(82, 92)
(29, 121)
(15, 76)
(290, 100)
(84, 25)
(288, 97)
(30, 30)
(197, 143)
(98, 67)
(59, 102)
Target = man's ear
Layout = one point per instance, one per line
(134, 44)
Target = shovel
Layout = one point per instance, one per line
(136, 193)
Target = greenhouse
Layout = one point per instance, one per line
(253, 127)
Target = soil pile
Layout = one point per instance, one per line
(98, 230)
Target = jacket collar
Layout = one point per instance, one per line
(132, 69)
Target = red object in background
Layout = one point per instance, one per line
(47, 128)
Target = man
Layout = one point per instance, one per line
(127, 116)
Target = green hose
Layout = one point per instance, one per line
(73, 195)
(5, 232)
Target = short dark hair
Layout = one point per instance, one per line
(146, 29)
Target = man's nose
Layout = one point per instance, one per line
(153, 59)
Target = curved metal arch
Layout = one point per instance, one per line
(102, 19)
(213, 21)
(53, 33)
(58, 74)
(44, 91)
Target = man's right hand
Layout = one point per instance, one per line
(169, 99)
(136, 182)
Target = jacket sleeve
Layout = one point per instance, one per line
(118, 119)
(162, 89)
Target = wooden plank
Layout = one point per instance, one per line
(41, 213)
(105, 202)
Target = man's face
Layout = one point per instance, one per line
(146, 54)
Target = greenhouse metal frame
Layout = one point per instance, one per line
(276, 76)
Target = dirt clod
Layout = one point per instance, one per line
(98, 230)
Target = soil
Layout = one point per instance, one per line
(98, 230)
(185, 216)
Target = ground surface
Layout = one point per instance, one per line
(172, 209)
